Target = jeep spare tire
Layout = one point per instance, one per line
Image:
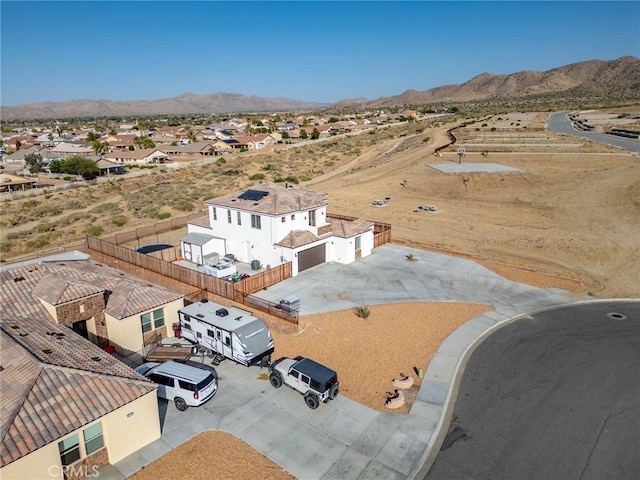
(312, 401)
(333, 393)
(275, 379)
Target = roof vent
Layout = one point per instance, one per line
(237, 319)
(96, 359)
(204, 300)
(199, 315)
(15, 327)
(23, 334)
(47, 351)
(18, 279)
(222, 312)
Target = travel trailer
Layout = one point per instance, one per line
(226, 332)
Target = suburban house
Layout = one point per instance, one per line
(274, 223)
(67, 407)
(66, 149)
(107, 307)
(138, 157)
(11, 183)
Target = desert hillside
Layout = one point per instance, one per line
(572, 210)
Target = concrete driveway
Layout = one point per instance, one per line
(344, 439)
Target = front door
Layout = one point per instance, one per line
(81, 328)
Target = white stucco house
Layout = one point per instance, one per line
(274, 223)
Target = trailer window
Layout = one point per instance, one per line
(186, 326)
(218, 335)
(210, 333)
(227, 339)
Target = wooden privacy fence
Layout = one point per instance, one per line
(150, 230)
(160, 262)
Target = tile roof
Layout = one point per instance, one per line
(350, 228)
(297, 238)
(53, 382)
(58, 282)
(281, 199)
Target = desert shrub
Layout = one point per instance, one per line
(257, 176)
(221, 161)
(29, 204)
(6, 247)
(329, 163)
(426, 139)
(18, 220)
(231, 172)
(183, 205)
(160, 215)
(105, 207)
(269, 167)
(73, 218)
(41, 241)
(484, 125)
(94, 230)
(305, 178)
(42, 228)
(289, 178)
(362, 311)
(493, 129)
(119, 220)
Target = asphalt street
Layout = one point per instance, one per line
(552, 396)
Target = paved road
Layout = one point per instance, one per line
(559, 123)
(555, 396)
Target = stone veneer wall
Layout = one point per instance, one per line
(70, 312)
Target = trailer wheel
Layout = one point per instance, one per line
(210, 353)
(312, 401)
(195, 350)
(180, 404)
(333, 393)
(275, 379)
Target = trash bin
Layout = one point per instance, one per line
(255, 264)
(177, 331)
(110, 349)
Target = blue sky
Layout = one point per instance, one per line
(314, 51)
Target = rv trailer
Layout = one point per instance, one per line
(226, 332)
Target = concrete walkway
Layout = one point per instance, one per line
(343, 439)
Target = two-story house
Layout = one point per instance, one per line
(275, 223)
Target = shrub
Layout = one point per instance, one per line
(6, 246)
(119, 220)
(160, 215)
(426, 139)
(363, 311)
(257, 176)
(42, 228)
(221, 161)
(94, 230)
(328, 163)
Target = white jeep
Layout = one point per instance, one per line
(314, 381)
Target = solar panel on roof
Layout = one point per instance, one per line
(253, 195)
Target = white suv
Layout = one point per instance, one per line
(185, 385)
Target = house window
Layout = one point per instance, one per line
(312, 218)
(69, 449)
(293, 217)
(255, 222)
(229, 216)
(239, 220)
(284, 219)
(158, 320)
(215, 213)
(145, 320)
(93, 438)
(358, 243)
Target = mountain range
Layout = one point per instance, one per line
(614, 80)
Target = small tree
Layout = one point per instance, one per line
(34, 162)
(303, 134)
(315, 134)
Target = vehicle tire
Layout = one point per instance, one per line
(312, 401)
(210, 353)
(195, 350)
(265, 361)
(275, 379)
(180, 404)
(333, 393)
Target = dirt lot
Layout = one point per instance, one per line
(572, 212)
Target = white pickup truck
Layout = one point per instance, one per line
(314, 381)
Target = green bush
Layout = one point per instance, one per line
(42, 228)
(426, 139)
(257, 176)
(119, 220)
(160, 215)
(362, 311)
(94, 230)
(329, 163)
(6, 246)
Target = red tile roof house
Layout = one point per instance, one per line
(275, 223)
(66, 405)
(139, 157)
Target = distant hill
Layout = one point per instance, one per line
(614, 80)
(187, 103)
